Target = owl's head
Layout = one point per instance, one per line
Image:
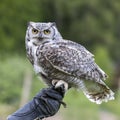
(38, 33)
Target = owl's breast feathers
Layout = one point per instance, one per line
(69, 58)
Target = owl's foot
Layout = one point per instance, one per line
(58, 83)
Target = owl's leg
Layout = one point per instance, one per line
(58, 83)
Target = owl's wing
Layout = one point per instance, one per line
(73, 59)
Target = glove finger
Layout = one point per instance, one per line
(52, 93)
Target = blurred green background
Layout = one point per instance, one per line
(92, 23)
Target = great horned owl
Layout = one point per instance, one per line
(64, 61)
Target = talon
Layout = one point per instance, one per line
(58, 83)
(54, 82)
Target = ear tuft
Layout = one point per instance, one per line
(53, 24)
(30, 23)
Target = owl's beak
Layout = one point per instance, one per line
(40, 38)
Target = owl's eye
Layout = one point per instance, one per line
(46, 32)
(34, 31)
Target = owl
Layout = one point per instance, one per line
(64, 62)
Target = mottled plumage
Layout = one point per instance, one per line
(54, 58)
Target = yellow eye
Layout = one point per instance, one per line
(34, 31)
(46, 32)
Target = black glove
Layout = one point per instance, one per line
(46, 103)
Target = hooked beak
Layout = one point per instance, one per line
(40, 38)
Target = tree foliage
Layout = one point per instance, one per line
(91, 23)
(94, 24)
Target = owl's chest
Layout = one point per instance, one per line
(37, 67)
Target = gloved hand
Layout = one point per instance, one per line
(46, 103)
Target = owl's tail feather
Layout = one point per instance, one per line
(97, 92)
